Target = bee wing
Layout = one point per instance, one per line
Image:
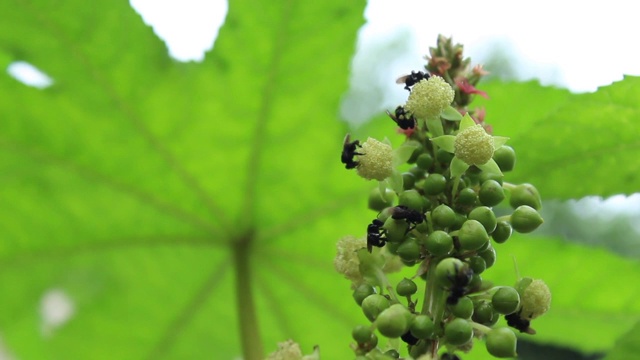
(402, 79)
(346, 139)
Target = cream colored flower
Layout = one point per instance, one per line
(429, 98)
(376, 161)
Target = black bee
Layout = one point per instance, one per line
(375, 234)
(409, 338)
(412, 79)
(517, 322)
(412, 217)
(449, 356)
(459, 282)
(404, 119)
(349, 151)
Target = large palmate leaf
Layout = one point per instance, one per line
(167, 199)
(586, 144)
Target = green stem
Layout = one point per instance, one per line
(506, 218)
(249, 334)
(382, 279)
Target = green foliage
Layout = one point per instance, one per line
(139, 185)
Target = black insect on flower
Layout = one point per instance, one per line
(459, 283)
(349, 151)
(516, 321)
(403, 118)
(412, 79)
(412, 217)
(409, 338)
(375, 234)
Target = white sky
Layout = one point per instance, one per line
(580, 45)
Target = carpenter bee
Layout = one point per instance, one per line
(412, 79)
(349, 151)
(375, 234)
(459, 282)
(412, 217)
(403, 119)
(517, 322)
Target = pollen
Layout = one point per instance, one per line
(474, 146)
(376, 161)
(429, 97)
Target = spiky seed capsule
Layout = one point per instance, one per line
(429, 97)
(474, 146)
(377, 161)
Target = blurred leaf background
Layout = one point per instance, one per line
(143, 200)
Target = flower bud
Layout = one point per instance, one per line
(429, 98)
(396, 230)
(409, 250)
(443, 216)
(408, 181)
(458, 331)
(422, 327)
(378, 202)
(484, 314)
(373, 305)
(376, 161)
(525, 194)
(361, 292)
(411, 199)
(491, 193)
(472, 235)
(485, 216)
(501, 343)
(477, 264)
(505, 157)
(463, 309)
(489, 256)
(525, 219)
(393, 321)
(361, 334)
(447, 269)
(434, 184)
(424, 161)
(406, 287)
(506, 300)
(439, 243)
(502, 232)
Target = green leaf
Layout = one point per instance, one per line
(627, 346)
(586, 146)
(593, 299)
(159, 195)
(450, 113)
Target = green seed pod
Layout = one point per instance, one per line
(447, 269)
(392, 247)
(377, 202)
(423, 227)
(525, 219)
(477, 264)
(485, 216)
(460, 219)
(411, 199)
(463, 309)
(373, 305)
(489, 256)
(424, 161)
(361, 293)
(396, 229)
(502, 232)
(416, 153)
(444, 157)
(422, 327)
(408, 180)
(476, 282)
(458, 332)
(472, 235)
(491, 193)
(439, 243)
(408, 263)
(392, 353)
(443, 216)
(525, 194)
(467, 197)
(501, 343)
(484, 176)
(505, 157)
(406, 287)
(434, 184)
(506, 300)
(417, 173)
(361, 334)
(482, 312)
(409, 250)
(393, 321)
(373, 342)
